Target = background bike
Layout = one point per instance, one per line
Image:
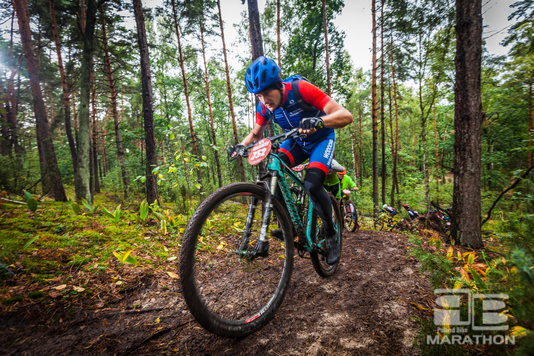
(350, 213)
(231, 283)
(386, 221)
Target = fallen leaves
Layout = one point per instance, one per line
(60, 287)
(173, 275)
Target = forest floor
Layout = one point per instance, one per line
(368, 307)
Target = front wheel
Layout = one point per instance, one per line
(350, 216)
(230, 291)
(318, 234)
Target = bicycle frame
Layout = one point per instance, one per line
(276, 170)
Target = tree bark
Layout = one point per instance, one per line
(229, 87)
(83, 186)
(12, 97)
(94, 162)
(382, 120)
(215, 150)
(148, 110)
(374, 117)
(467, 125)
(361, 144)
(530, 116)
(42, 128)
(255, 29)
(396, 156)
(113, 91)
(66, 101)
(186, 92)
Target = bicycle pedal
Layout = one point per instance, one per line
(262, 249)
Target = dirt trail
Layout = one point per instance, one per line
(362, 310)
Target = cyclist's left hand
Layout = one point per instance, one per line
(309, 125)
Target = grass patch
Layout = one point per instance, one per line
(12, 300)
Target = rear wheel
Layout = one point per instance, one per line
(380, 222)
(318, 235)
(350, 216)
(230, 292)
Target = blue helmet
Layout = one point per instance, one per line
(261, 74)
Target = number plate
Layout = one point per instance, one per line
(298, 168)
(259, 151)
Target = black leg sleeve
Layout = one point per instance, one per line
(321, 201)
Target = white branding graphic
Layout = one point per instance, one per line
(450, 318)
(328, 151)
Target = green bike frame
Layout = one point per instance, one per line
(277, 169)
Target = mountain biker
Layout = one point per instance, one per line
(278, 101)
(331, 181)
(391, 210)
(413, 214)
(347, 184)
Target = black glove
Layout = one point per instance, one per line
(237, 149)
(309, 123)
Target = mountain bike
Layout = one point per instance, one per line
(231, 284)
(386, 221)
(350, 213)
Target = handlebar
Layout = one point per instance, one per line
(242, 151)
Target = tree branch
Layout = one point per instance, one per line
(519, 179)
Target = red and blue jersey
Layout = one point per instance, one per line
(289, 115)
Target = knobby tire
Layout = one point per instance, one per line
(228, 294)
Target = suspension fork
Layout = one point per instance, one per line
(248, 226)
(268, 203)
(268, 206)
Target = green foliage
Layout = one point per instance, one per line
(36, 294)
(12, 300)
(74, 206)
(29, 242)
(521, 301)
(30, 201)
(91, 209)
(126, 258)
(113, 217)
(439, 268)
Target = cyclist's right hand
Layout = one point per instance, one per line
(346, 192)
(235, 150)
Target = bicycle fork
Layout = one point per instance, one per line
(261, 248)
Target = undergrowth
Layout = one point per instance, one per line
(502, 269)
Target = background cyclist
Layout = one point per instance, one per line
(347, 184)
(278, 101)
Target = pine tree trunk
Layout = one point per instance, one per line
(103, 140)
(5, 146)
(467, 125)
(325, 25)
(13, 102)
(374, 117)
(42, 128)
(436, 152)
(530, 117)
(361, 144)
(113, 91)
(66, 101)
(423, 132)
(382, 91)
(255, 29)
(229, 87)
(83, 187)
(94, 149)
(187, 99)
(278, 46)
(148, 110)
(215, 150)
